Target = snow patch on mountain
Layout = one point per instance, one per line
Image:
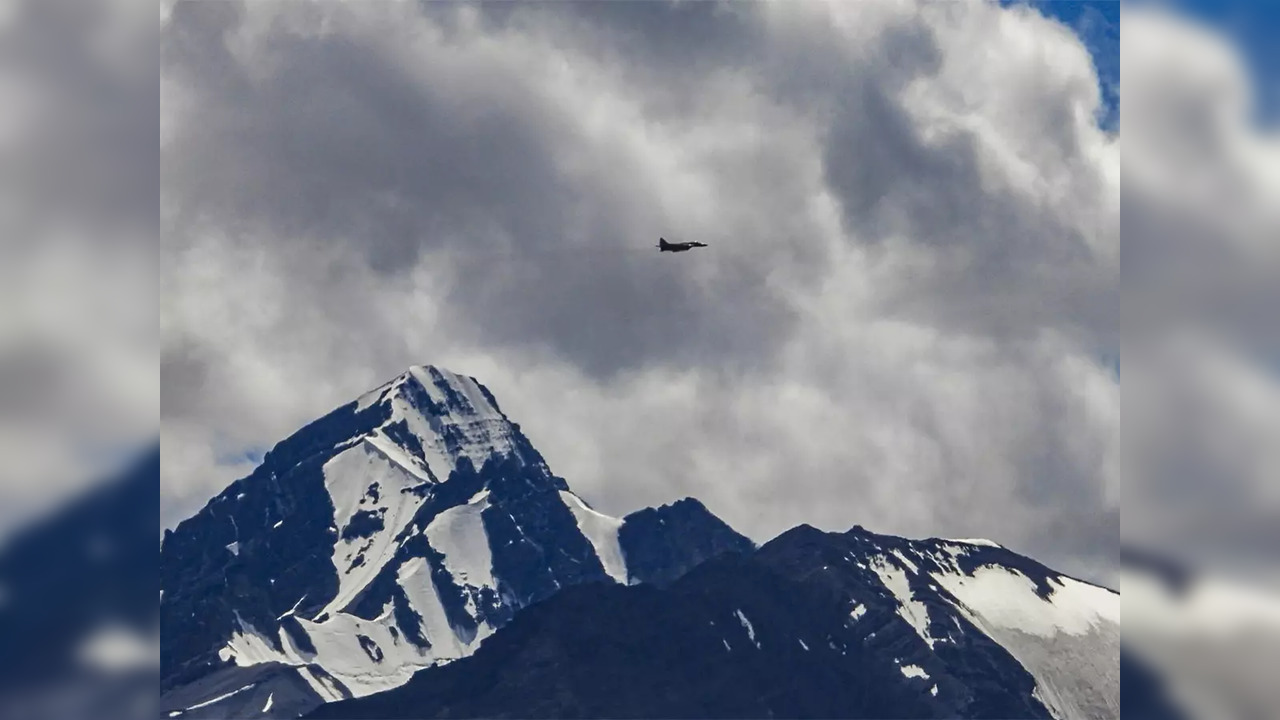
(910, 609)
(414, 577)
(602, 532)
(976, 541)
(458, 533)
(1005, 598)
(293, 609)
(1069, 642)
(473, 428)
(906, 563)
(320, 684)
(366, 656)
(746, 625)
(914, 671)
(375, 396)
(372, 502)
(1064, 632)
(218, 699)
(248, 646)
(377, 441)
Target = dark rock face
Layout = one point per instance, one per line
(399, 530)
(245, 691)
(543, 549)
(986, 681)
(727, 640)
(205, 583)
(661, 544)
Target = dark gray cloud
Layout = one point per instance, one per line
(1007, 261)
(1202, 400)
(79, 140)
(343, 140)
(79, 188)
(912, 267)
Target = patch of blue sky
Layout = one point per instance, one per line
(1097, 24)
(252, 455)
(1253, 28)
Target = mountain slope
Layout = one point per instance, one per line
(957, 597)
(730, 639)
(411, 555)
(395, 533)
(811, 625)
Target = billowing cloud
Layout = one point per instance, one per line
(913, 269)
(1201, 222)
(79, 188)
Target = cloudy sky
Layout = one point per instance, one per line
(79, 187)
(908, 316)
(1201, 286)
(903, 320)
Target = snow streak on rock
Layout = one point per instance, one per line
(602, 531)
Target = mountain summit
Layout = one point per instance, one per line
(411, 555)
(393, 534)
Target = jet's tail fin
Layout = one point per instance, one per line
(662, 243)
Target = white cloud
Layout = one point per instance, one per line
(913, 267)
(78, 339)
(1201, 392)
(1202, 402)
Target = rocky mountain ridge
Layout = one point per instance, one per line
(411, 554)
(395, 533)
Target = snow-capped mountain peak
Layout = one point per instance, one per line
(405, 530)
(395, 533)
(447, 415)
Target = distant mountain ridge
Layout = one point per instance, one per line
(812, 625)
(411, 555)
(396, 532)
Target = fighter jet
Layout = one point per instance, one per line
(664, 246)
